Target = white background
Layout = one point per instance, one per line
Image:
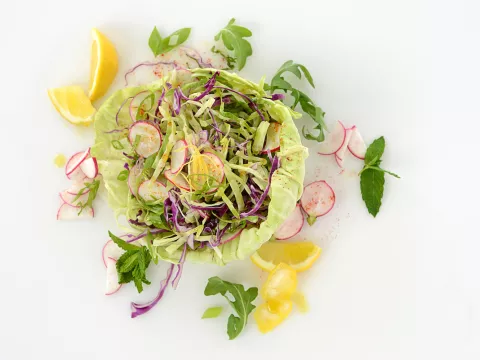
(403, 285)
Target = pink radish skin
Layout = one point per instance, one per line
(72, 169)
(112, 251)
(334, 140)
(89, 167)
(339, 161)
(76, 187)
(272, 142)
(68, 212)
(177, 180)
(292, 225)
(152, 190)
(317, 200)
(356, 145)
(217, 170)
(135, 103)
(112, 285)
(179, 156)
(341, 152)
(230, 237)
(150, 138)
(69, 198)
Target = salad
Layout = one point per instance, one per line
(203, 165)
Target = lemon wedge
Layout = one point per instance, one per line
(104, 65)
(272, 313)
(73, 104)
(300, 256)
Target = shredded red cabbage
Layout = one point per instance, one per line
(277, 97)
(142, 235)
(209, 85)
(275, 165)
(140, 309)
(120, 109)
(166, 63)
(250, 101)
(180, 264)
(218, 101)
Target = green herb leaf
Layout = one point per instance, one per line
(117, 145)
(132, 265)
(242, 304)
(232, 37)
(123, 175)
(136, 141)
(212, 312)
(375, 151)
(299, 97)
(92, 189)
(149, 161)
(372, 176)
(155, 42)
(160, 45)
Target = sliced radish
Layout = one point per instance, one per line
(202, 137)
(135, 103)
(89, 167)
(334, 140)
(177, 180)
(70, 198)
(273, 138)
(112, 285)
(317, 200)
(72, 169)
(152, 190)
(76, 187)
(133, 175)
(227, 237)
(341, 152)
(339, 161)
(150, 138)
(216, 168)
(68, 212)
(292, 225)
(356, 145)
(111, 250)
(179, 156)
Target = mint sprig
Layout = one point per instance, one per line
(372, 176)
(132, 265)
(92, 189)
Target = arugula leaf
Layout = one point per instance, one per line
(92, 194)
(233, 38)
(372, 176)
(230, 60)
(242, 304)
(307, 105)
(131, 266)
(160, 45)
(212, 312)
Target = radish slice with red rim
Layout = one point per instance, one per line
(177, 180)
(152, 190)
(76, 187)
(356, 145)
(112, 285)
(334, 140)
(136, 102)
(292, 225)
(341, 152)
(111, 250)
(150, 138)
(70, 198)
(272, 142)
(317, 200)
(89, 167)
(179, 156)
(339, 161)
(68, 212)
(72, 169)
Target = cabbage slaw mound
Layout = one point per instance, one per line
(206, 168)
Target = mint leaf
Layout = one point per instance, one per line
(122, 243)
(131, 266)
(160, 45)
(212, 312)
(232, 37)
(375, 151)
(372, 176)
(155, 42)
(371, 185)
(242, 304)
